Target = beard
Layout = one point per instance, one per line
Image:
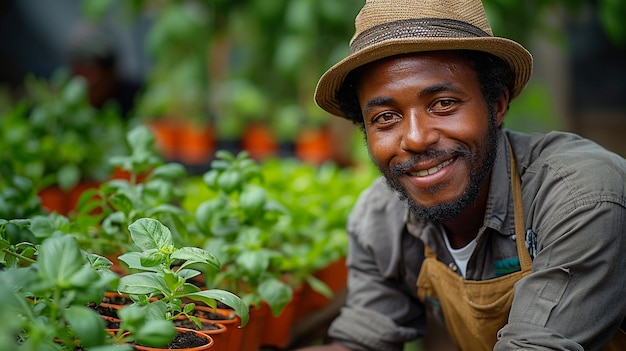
(481, 164)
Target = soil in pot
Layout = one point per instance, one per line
(185, 339)
(116, 299)
(217, 331)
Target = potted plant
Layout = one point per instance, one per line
(158, 283)
(151, 188)
(56, 139)
(43, 301)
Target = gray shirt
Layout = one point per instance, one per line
(574, 195)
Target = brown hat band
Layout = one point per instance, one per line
(415, 28)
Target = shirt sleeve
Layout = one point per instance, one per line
(574, 298)
(382, 311)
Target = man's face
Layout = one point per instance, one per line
(429, 130)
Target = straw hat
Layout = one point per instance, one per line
(390, 27)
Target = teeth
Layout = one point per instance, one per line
(431, 170)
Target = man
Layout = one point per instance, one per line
(514, 241)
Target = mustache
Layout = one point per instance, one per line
(402, 168)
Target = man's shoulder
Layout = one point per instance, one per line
(377, 196)
(378, 206)
(576, 162)
(562, 150)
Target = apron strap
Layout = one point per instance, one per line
(518, 213)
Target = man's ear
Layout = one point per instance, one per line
(502, 106)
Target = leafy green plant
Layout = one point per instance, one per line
(52, 136)
(46, 302)
(158, 284)
(18, 197)
(152, 189)
(319, 199)
(240, 224)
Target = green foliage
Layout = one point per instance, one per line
(240, 223)
(53, 136)
(277, 50)
(273, 224)
(46, 301)
(161, 271)
(152, 190)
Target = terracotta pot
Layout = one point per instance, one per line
(230, 337)
(53, 199)
(112, 324)
(217, 331)
(252, 333)
(166, 137)
(259, 141)
(74, 194)
(335, 276)
(207, 346)
(314, 145)
(196, 144)
(277, 330)
(119, 173)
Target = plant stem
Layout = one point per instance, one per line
(19, 257)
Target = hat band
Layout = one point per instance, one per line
(415, 28)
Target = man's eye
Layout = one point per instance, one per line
(386, 117)
(442, 105)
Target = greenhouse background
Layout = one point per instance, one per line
(202, 80)
(246, 69)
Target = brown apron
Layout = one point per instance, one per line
(474, 311)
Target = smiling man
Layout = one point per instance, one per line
(512, 241)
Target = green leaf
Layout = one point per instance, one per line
(229, 180)
(276, 293)
(121, 202)
(153, 258)
(46, 226)
(254, 262)
(59, 259)
(319, 286)
(148, 233)
(169, 171)
(143, 283)
(98, 262)
(155, 333)
(225, 297)
(84, 277)
(87, 324)
(196, 255)
(133, 260)
(252, 200)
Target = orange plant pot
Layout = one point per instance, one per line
(207, 346)
(277, 330)
(166, 137)
(53, 199)
(231, 337)
(259, 141)
(75, 193)
(196, 144)
(250, 336)
(220, 337)
(314, 145)
(335, 276)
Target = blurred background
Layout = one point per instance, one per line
(240, 74)
(208, 75)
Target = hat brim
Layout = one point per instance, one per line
(518, 58)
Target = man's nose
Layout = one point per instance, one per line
(419, 133)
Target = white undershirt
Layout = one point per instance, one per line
(461, 256)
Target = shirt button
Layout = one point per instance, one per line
(453, 266)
